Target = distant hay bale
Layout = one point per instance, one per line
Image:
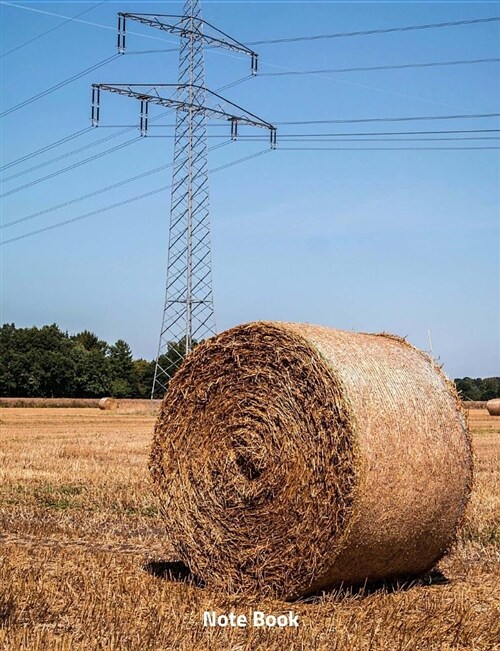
(493, 407)
(474, 404)
(64, 403)
(288, 458)
(108, 404)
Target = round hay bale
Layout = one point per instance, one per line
(108, 403)
(290, 457)
(493, 407)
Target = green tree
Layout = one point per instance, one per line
(90, 342)
(478, 388)
(468, 388)
(93, 376)
(36, 362)
(144, 373)
(491, 388)
(47, 362)
(123, 378)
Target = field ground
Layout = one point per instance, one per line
(78, 524)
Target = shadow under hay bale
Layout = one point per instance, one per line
(172, 571)
(386, 586)
(289, 458)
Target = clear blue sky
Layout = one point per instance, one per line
(397, 241)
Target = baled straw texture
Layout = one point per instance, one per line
(493, 407)
(108, 403)
(293, 457)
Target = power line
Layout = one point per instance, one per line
(463, 116)
(52, 89)
(70, 153)
(286, 137)
(79, 149)
(381, 148)
(283, 138)
(342, 80)
(90, 195)
(83, 22)
(42, 150)
(370, 32)
(319, 139)
(225, 166)
(52, 29)
(400, 133)
(238, 81)
(71, 167)
(415, 118)
(125, 201)
(385, 67)
(358, 133)
(383, 133)
(370, 87)
(320, 73)
(346, 134)
(162, 167)
(349, 133)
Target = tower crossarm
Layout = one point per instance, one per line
(188, 309)
(240, 116)
(186, 27)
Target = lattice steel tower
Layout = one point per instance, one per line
(188, 314)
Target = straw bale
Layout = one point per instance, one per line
(64, 403)
(291, 457)
(108, 403)
(474, 404)
(493, 407)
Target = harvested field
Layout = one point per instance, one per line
(78, 523)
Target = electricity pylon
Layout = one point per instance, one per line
(188, 313)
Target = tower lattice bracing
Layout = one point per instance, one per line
(188, 315)
(188, 312)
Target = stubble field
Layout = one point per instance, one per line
(83, 556)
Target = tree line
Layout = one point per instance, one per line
(50, 363)
(478, 388)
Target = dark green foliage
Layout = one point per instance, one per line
(38, 362)
(479, 388)
(144, 372)
(175, 354)
(48, 363)
(123, 379)
(90, 342)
